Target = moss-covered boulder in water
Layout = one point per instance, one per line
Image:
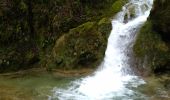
(83, 46)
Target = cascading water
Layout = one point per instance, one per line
(112, 80)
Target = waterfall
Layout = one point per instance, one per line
(112, 79)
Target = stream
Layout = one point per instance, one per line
(40, 86)
(113, 80)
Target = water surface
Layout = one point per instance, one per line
(34, 86)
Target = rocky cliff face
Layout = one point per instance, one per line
(29, 30)
(152, 47)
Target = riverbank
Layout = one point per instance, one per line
(54, 72)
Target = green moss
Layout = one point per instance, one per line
(104, 27)
(117, 6)
(82, 28)
(103, 21)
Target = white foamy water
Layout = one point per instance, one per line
(112, 79)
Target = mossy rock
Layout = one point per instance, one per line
(82, 47)
(150, 47)
(117, 6)
(104, 27)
